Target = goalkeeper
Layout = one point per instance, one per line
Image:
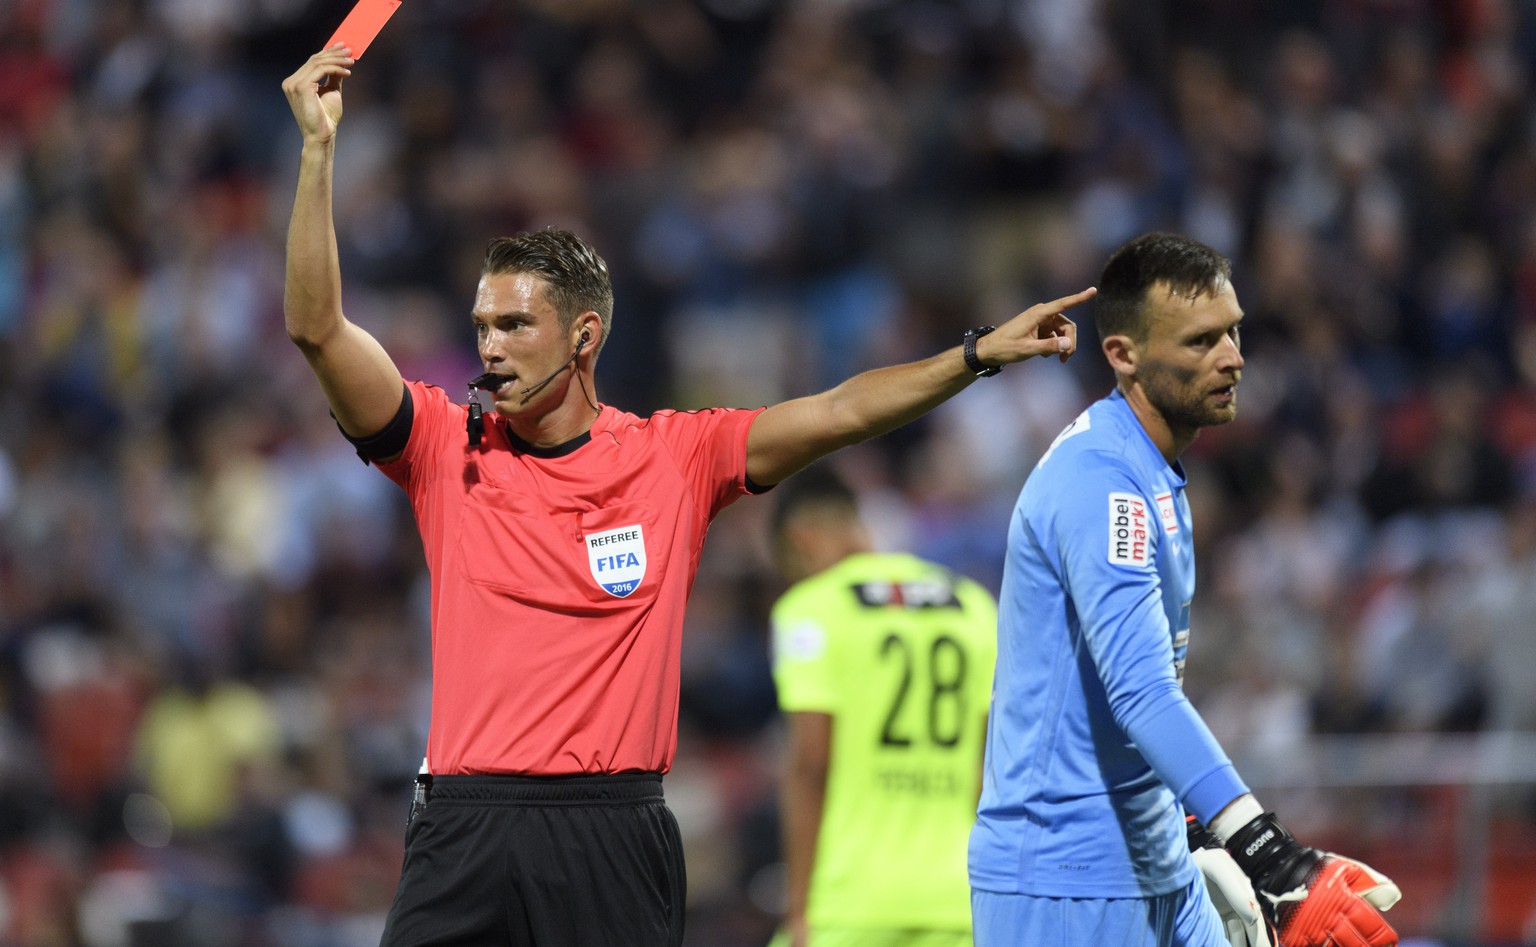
(1095, 754)
(884, 665)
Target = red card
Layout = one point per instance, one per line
(363, 24)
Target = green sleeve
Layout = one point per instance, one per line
(804, 656)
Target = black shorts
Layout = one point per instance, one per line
(578, 861)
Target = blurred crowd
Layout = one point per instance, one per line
(214, 668)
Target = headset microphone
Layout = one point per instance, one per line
(556, 373)
(492, 381)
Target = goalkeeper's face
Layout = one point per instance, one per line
(1191, 359)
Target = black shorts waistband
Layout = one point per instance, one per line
(614, 789)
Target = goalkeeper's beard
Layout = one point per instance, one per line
(1182, 404)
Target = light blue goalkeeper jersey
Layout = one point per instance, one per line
(1092, 744)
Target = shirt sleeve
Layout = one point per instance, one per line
(711, 450)
(1116, 591)
(981, 613)
(803, 661)
(434, 418)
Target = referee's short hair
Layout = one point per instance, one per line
(577, 277)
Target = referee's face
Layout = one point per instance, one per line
(518, 334)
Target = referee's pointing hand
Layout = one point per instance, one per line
(1041, 329)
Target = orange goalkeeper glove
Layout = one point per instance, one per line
(1313, 898)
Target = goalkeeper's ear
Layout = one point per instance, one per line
(1381, 893)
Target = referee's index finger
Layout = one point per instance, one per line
(1067, 302)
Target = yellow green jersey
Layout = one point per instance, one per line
(900, 652)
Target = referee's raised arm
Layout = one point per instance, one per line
(789, 436)
(360, 381)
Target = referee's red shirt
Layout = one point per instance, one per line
(558, 582)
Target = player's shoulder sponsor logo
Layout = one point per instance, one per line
(617, 559)
(1168, 512)
(1130, 530)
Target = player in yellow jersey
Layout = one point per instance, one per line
(883, 664)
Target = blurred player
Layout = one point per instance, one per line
(562, 536)
(884, 667)
(1093, 747)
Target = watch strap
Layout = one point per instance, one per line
(968, 349)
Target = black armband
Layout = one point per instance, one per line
(392, 439)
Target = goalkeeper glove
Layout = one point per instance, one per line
(1313, 898)
(1228, 888)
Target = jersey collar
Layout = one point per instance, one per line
(1153, 456)
(555, 450)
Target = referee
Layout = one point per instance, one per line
(562, 536)
(884, 669)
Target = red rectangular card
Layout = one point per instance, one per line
(363, 24)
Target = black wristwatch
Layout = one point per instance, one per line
(969, 348)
